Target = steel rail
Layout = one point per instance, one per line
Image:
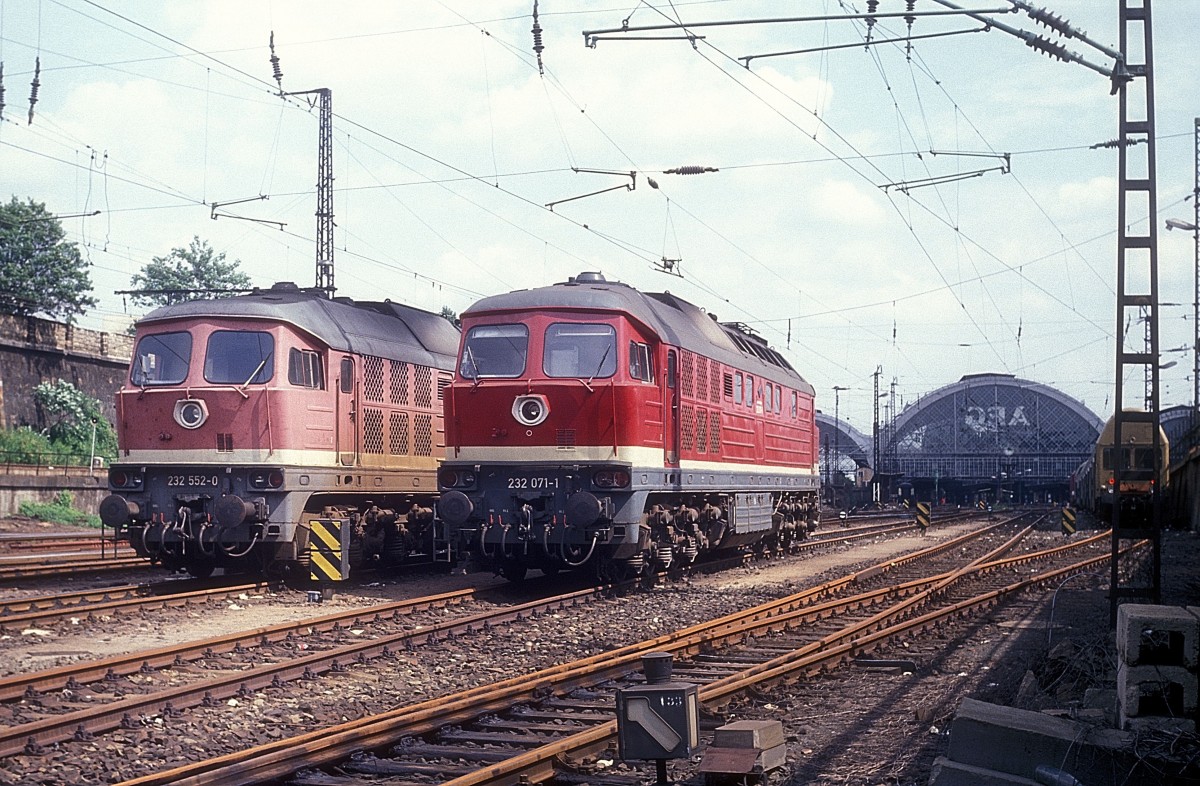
(12, 571)
(126, 604)
(280, 758)
(19, 685)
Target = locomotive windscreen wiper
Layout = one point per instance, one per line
(599, 365)
(242, 387)
(475, 381)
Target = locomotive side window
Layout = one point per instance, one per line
(305, 369)
(162, 359)
(639, 362)
(346, 378)
(737, 388)
(750, 391)
(580, 350)
(494, 351)
(778, 399)
(793, 404)
(239, 357)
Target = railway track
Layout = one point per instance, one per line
(567, 710)
(13, 569)
(129, 598)
(59, 720)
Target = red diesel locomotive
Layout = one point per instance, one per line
(590, 424)
(246, 418)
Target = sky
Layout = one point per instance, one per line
(925, 209)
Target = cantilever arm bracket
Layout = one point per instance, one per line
(630, 186)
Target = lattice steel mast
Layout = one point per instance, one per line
(1137, 288)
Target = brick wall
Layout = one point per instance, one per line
(33, 351)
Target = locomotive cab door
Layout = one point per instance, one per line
(671, 410)
(347, 414)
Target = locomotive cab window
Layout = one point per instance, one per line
(494, 351)
(162, 359)
(305, 369)
(239, 357)
(639, 362)
(580, 350)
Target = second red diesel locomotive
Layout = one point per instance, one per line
(591, 424)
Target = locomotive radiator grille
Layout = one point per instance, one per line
(372, 430)
(715, 383)
(687, 426)
(398, 433)
(399, 383)
(423, 388)
(686, 372)
(373, 378)
(714, 433)
(701, 430)
(224, 443)
(565, 438)
(701, 377)
(424, 433)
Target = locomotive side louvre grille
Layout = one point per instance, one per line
(686, 370)
(373, 378)
(399, 382)
(714, 433)
(715, 383)
(224, 443)
(701, 377)
(423, 387)
(687, 424)
(443, 382)
(728, 385)
(372, 430)
(398, 433)
(565, 438)
(701, 430)
(423, 436)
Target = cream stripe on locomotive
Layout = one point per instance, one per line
(642, 459)
(308, 459)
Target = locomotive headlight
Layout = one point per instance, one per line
(611, 479)
(124, 479)
(266, 478)
(456, 478)
(191, 412)
(531, 410)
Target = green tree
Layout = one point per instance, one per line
(451, 317)
(188, 273)
(40, 272)
(70, 416)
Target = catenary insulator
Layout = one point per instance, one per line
(34, 85)
(1, 90)
(689, 170)
(908, 17)
(1057, 51)
(275, 69)
(1043, 16)
(537, 38)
